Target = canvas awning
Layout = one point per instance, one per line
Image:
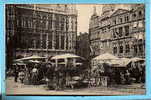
(136, 59)
(34, 57)
(63, 56)
(19, 63)
(122, 62)
(106, 56)
(34, 61)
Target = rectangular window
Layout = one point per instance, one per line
(57, 41)
(67, 42)
(127, 48)
(62, 42)
(114, 21)
(135, 49)
(50, 41)
(44, 42)
(62, 26)
(114, 33)
(120, 31)
(47, 23)
(37, 44)
(140, 47)
(38, 41)
(120, 20)
(126, 18)
(121, 49)
(126, 30)
(134, 16)
(115, 50)
(50, 24)
(57, 22)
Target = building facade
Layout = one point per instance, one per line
(120, 32)
(44, 30)
(83, 46)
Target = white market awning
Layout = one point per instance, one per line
(63, 56)
(106, 56)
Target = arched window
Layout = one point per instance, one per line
(134, 15)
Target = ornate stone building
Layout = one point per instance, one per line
(44, 30)
(118, 31)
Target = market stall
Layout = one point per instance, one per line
(138, 69)
(120, 70)
(68, 66)
(101, 70)
(32, 74)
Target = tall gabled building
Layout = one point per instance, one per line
(40, 29)
(119, 31)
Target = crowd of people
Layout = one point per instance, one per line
(61, 76)
(119, 75)
(56, 77)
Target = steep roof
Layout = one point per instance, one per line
(119, 11)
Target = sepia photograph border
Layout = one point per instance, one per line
(3, 49)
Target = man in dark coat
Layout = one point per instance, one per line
(16, 73)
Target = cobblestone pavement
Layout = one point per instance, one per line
(13, 88)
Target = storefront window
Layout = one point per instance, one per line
(126, 30)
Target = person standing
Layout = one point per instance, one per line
(16, 73)
(34, 74)
(127, 77)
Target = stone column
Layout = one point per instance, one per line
(53, 22)
(53, 40)
(132, 48)
(138, 51)
(118, 47)
(41, 41)
(124, 48)
(60, 40)
(65, 41)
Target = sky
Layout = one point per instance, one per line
(84, 14)
(86, 10)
